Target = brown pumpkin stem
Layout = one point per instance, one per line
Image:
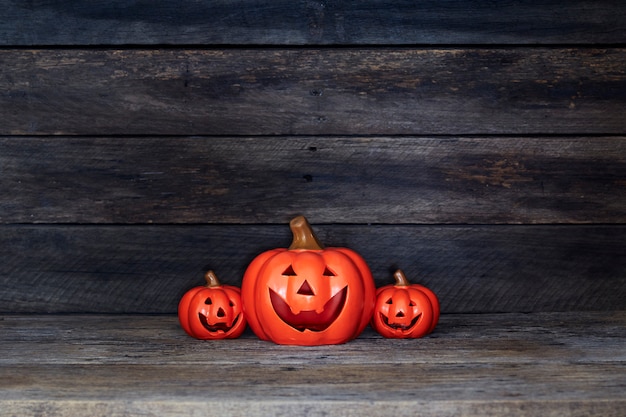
(401, 280)
(211, 279)
(303, 236)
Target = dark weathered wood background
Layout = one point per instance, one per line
(479, 146)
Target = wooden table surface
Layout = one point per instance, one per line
(539, 364)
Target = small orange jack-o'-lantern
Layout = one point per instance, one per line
(405, 310)
(213, 311)
(308, 294)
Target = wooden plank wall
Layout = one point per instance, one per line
(479, 146)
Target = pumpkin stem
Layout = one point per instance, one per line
(401, 280)
(303, 236)
(211, 280)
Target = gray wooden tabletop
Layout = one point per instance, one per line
(489, 364)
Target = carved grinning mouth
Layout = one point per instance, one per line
(309, 319)
(217, 327)
(397, 326)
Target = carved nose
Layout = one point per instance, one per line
(305, 289)
(220, 312)
(400, 314)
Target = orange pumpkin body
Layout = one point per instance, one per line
(308, 296)
(405, 310)
(213, 311)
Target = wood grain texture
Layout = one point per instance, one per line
(472, 269)
(363, 91)
(528, 365)
(280, 22)
(394, 180)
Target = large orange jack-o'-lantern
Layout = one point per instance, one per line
(308, 294)
(405, 310)
(213, 311)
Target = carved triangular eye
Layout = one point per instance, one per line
(328, 273)
(389, 301)
(289, 271)
(208, 301)
(412, 303)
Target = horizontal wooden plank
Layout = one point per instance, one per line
(489, 339)
(313, 91)
(280, 22)
(332, 179)
(146, 269)
(478, 365)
